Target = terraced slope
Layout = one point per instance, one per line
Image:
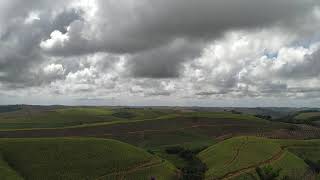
(81, 159)
(237, 153)
(238, 157)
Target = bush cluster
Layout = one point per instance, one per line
(195, 168)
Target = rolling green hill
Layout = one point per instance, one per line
(237, 153)
(81, 158)
(180, 128)
(307, 115)
(31, 117)
(308, 118)
(154, 130)
(238, 157)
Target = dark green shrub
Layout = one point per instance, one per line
(268, 173)
(174, 150)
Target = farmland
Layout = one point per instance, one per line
(308, 115)
(81, 159)
(311, 117)
(122, 142)
(238, 157)
(30, 117)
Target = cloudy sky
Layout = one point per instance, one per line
(168, 52)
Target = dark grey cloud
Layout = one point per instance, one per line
(164, 62)
(147, 29)
(128, 27)
(152, 48)
(20, 54)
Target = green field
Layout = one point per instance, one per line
(95, 116)
(290, 165)
(308, 115)
(238, 157)
(74, 143)
(159, 128)
(237, 153)
(69, 158)
(312, 118)
(29, 118)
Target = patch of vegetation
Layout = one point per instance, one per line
(267, 117)
(194, 169)
(268, 173)
(174, 150)
(235, 112)
(123, 114)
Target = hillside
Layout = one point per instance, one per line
(238, 157)
(308, 117)
(26, 117)
(178, 128)
(236, 143)
(81, 158)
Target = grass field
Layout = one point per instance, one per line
(79, 158)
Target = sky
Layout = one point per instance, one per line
(160, 53)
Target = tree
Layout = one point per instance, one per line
(268, 173)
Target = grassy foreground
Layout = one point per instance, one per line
(81, 158)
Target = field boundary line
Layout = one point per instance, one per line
(238, 149)
(277, 156)
(238, 172)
